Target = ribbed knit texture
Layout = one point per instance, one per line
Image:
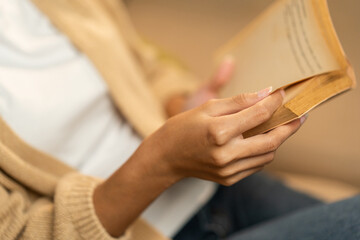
(77, 201)
(67, 214)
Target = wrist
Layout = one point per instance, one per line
(125, 195)
(157, 161)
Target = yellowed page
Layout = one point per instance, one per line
(305, 96)
(283, 45)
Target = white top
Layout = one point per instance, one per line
(53, 97)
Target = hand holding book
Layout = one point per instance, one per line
(291, 46)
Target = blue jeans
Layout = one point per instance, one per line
(261, 208)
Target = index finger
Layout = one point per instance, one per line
(235, 124)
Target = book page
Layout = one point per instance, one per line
(305, 96)
(283, 45)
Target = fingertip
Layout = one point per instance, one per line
(294, 125)
(290, 127)
(264, 92)
(282, 92)
(299, 121)
(280, 96)
(303, 119)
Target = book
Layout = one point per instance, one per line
(293, 46)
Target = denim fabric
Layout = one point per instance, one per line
(260, 207)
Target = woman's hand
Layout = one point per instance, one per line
(207, 91)
(211, 88)
(207, 142)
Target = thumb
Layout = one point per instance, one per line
(223, 74)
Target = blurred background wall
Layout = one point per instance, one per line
(328, 145)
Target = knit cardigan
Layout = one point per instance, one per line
(42, 198)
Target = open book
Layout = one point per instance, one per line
(292, 45)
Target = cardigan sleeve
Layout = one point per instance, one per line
(68, 215)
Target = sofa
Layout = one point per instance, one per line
(323, 158)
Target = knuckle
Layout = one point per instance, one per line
(247, 152)
(240, 99)
(213, 131)
(218, 157)
(224, 173)
(227, 182)
(270, 157)
(210, 102)
(272, 144)
(216, 133)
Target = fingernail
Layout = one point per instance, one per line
(265, 92)
(303, 118)
(282, 92)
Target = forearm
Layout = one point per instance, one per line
(205, 142)
(126, 194)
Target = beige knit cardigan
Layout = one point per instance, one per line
(40, 197)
